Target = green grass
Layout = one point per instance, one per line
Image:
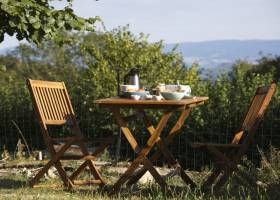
(15, 187)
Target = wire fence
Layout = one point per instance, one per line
(20, 120)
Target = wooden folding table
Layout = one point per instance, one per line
(168, 107)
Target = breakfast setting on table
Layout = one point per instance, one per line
(170, 99)
(131, 89)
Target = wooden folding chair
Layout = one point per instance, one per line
(227, 156)
(53, 108)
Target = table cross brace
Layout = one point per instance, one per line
(141, 153)
(163, 150)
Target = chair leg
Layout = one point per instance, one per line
(211, 179)
(56, 162)
(40, 174)
(186, 178)
(95, 172)
(248, 178)
(229, 172)
(66, 181)
(91, 164)
(229, 165)
(223, 179)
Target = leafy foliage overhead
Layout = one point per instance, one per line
(36, 20)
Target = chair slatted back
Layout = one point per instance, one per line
(256, 111)
(53, 107)
(52, 102)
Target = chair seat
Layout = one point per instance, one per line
(203, 145)
(107, 138)
(72, 153)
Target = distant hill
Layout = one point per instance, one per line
(6, 50)
(221, 54)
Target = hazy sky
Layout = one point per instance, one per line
(185, 20)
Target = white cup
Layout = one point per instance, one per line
(186, 89)
(157, 98)
(148, 96)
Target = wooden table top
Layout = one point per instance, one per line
(125, 102)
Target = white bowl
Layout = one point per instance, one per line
(178, 88)
(173, 95)
(135, 97)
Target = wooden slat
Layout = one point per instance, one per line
(56, 122)
(48, 103)
(65, 110)
(67, 139)
(37, 98)
(59, 104)
(51, 104)
(55, 103)
(47, 186)
(237, 137)
(258, 106)
(64, 103)
(253, 112)
(200, 145)
(86, 182)
(76, 183)
(46, 84)
(44, 103)
(63, 107)
(68, 101)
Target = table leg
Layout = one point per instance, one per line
(142, 153)
(163, 150)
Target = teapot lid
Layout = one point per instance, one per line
(134, 71)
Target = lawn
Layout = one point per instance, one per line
(13, 185)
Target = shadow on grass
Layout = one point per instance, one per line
(238, 191)
(273, 191)
(147, 192)
(7, 183)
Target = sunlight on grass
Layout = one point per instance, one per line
(15, 187)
